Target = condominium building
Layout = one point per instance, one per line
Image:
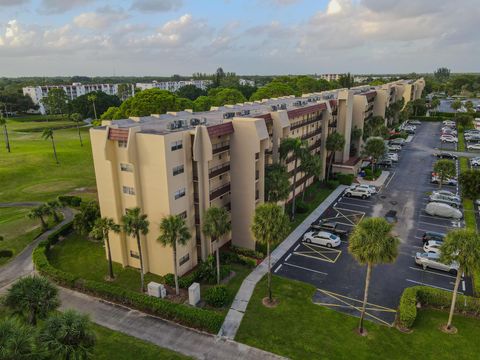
(183, 163)
(37, 93)
(330, 77)
(173, 86)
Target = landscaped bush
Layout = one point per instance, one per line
(369, 176)
(189, 316)
(445, 114)
(345, 179)
(248, 252)
(216, 296)
(184, 281)
(247, 261)
(430, 118)
(69, 200)
(435, 298)
(402, 135)
(332, 184)
(6, 253)
(301, 207)
(207, 271)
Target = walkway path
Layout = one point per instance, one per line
(239, 306)
(20, 204)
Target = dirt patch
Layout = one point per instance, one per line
(270, 304)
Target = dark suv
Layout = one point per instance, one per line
(431, 235)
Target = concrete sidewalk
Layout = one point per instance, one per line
(239, 306)
(160, 332)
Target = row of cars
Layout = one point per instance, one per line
(472, 137)
(430, 257)
(449, 132)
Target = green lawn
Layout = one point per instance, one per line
(299, 329)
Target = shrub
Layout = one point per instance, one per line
(408, 307)
(69, 200)
(345, 179)
(184, 281)
(402, 135)
(248, 252)
(6, 253)
(247, 261)
(332, 184)
(216, 296)
(301, 207)
(207, 271)
(228, 257)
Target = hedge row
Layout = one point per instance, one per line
(430, 118)
(189, 316)
(436, 298)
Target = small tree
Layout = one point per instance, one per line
(372, 243)
(135, 224)
(173, 232)
(312, 167)
(3, 122)
(39, 212)
(77, 119)
(464, 120)
(52, 208)
(435, 103)
(34, 297)
(277, 184)
(462, 247)
(470, 183)
(374, 148)
(84, 220)
(17, 340)
(48, 134)
(101, 229)
(215, 225)
(93, 98)
(444, 169)
(335, 142)
(68, 336)
(55, 102)
(456, 105)
(270, 226)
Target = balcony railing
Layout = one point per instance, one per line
(333, 124)
(257, 195)
(220, 147)
(299, 124)
(311, 134)
(257, 174)
(219, 191)
(218, 170)
(315, 145)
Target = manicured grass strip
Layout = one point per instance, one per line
(461, 139)
(299, 329)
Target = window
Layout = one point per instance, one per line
(178, 170)
(126, 167)
(134, 254)
(177, 145)
(184, 259)
(128, 190)
(183, 215)
(180, 193)
(122, 143)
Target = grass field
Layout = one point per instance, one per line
(299, 329)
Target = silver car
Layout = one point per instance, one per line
(431, 260)
(443, 210)
(452, 201)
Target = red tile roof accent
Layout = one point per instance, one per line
(333, 103)
(221, 129)
(267, 117)
(306, 110)
(370, 95)
(118, 134)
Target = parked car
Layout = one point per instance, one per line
(432, 246)
(415, 122)
(443, 210)
(361, 193)
(385, 162)
(445, 155)
(448, 139)
(322, 238)
(475, 161)
(371, 188)
(392, 156)
(449, 123)
(445, 200)
(472, 137)
(473, 146)
(450, 194)
(409, 131)
(394, 148)
(431, 235)
(429, 260)
(331, 227)
(449, 181)
(397, 141)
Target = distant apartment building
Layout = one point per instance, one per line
(330, 77)
(246, 82)
(173, 86)
(183, 163)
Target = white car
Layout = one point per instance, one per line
(452, 201)
(394, 148)
(392, 156)
(371, 188)
(322, 238)
(472, 137)
(473, 147)
(447, 193)
(448, 139)
(430, 260)
(475, 161)
(449, 181)
(443, 210)
(415, 122)
(449, 123)
(432, 246)
(361, 193)
(397, 141)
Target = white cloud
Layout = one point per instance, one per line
(102, 18)
(13, 2)
(157, 5)
(60, 6)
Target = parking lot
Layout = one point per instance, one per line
(338, 277)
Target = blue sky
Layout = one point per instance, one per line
(163, 37)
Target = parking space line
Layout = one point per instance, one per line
(433, 286)
(431, 224)
(389, 181)
(321, 252)
(288, 257)
(304, 268)
(296, 247)
(356, 205)
(432, 272)
(278, 268)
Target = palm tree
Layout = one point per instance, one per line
(444, 169)
(135, 224)
(93, 98)
(101, 230)
(68, 335)
(173, 232)
(375, 148)
(77, 118)
(270, 226)
(52, 209)
(16, 340)
(34, 297)
(372, 243)
(435, 103)
(215, 225)
(297, 148)
(457, 104)
(3, 122)
(48, 134)
(335, 142)
(461, 247)
(312, 166)
(38, 213)
(277, 183)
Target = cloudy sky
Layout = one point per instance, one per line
(163, 37)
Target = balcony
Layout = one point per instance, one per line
(219, 191)
(218, 170)
(333, 124)
(220, 147)
(257, 174)
(257, 195)
(315, 145)
(312, 134)
(299, 124)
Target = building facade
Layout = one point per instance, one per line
(174, 86)
(182, 163)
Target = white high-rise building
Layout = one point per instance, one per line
(173, 86)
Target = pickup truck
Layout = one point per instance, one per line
(330, 227)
